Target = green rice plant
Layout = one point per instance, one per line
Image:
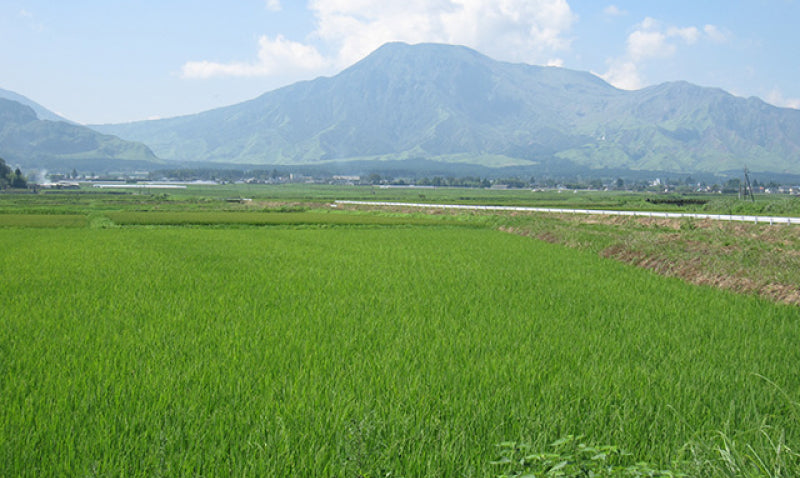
(761, 452)
(209, 218)
(43, 220)
(364, 351)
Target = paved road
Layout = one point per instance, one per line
(715, 217)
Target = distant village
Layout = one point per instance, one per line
(182, 177)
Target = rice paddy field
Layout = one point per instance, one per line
(345, 344)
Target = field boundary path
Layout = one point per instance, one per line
(605, 212)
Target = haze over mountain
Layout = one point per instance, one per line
(453, 104)
(41, 112)
(32, 142)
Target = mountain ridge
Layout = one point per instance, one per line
(41, 112)
(453, 104)
(27, 140)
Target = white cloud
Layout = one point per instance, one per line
(274, 5)
(649, 44)
(652, 40)
(614, 11)
(555, 62)
(689, 34)
(715, 34)
(278, 57)
(623, 74)
(516, 30)
(775, 97)
(347, 30)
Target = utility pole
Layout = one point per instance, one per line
(748, 189)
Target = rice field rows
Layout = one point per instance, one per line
(207, 218)
(376, 351)
(218, 218)
(43, 220)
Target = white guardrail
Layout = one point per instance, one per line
(670, 215)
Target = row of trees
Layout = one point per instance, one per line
(686, 184)
(9, 178)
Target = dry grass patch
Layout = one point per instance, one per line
(744, 258)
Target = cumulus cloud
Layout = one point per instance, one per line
(652, 40)
(276, 57)
(690, 35)
(649, 44)
(347, 30)
(623, 74)
(516, 30)
(776, 97)
(715, 34)
(274, 5)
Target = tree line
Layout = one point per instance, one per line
(9, 178)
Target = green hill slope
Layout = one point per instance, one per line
(450, 103)
(32, 142)
(41, 112)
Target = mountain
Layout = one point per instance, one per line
(42, 113)
(31, 142)
(452, 104)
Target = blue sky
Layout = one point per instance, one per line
(101, 61)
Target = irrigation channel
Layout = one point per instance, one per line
(672, 215)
